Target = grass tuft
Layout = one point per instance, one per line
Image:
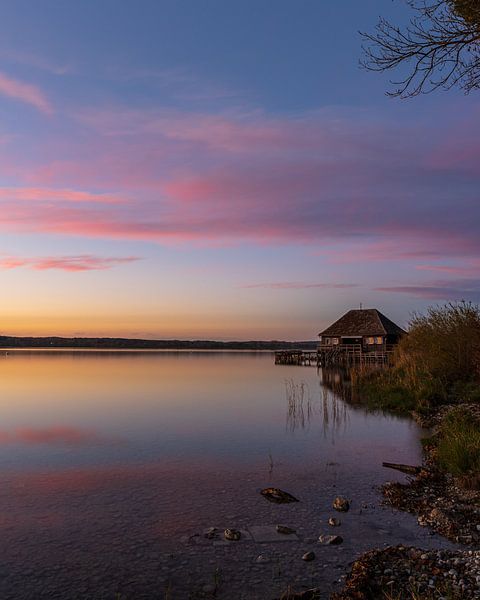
(458, 445)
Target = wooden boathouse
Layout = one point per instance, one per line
(360, 336)
(363, 336)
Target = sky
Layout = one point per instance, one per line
(223, 169)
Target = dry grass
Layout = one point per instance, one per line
(438, 361)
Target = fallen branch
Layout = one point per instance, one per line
(408, 469)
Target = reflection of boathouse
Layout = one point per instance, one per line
(362, 335)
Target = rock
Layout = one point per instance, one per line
(278, 496)
(285, 530)
(333, 522)
(211, 533)
(232, 535)
(262, 559)
(308, 556)
(341, 504)
(410, 568)
(330, 540)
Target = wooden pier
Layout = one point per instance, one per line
(352, 354)
(344, 355)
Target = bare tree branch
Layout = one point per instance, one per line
(440, 47)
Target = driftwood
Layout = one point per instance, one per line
(408, 469)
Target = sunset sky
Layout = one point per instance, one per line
(222, 169)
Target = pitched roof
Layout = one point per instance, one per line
(369, 321)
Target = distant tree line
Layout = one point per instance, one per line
(140, 344)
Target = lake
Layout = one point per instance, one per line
(113, 464)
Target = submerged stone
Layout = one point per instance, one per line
(330, 540)
(308, 556)
(341, 504)
(262, 559)
(285, 530)
(232, 535)
(211, 533)
(278, 496)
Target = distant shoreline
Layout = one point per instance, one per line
(14, 343)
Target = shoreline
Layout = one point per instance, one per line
(439, 499)
(440, 503)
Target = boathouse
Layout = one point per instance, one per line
(363, 336)
(360, 332)
(367, 327)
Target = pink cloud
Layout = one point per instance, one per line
(25, 92)
(351, 185)
(403, 246)
(466, 269)
(236, 133)
(296, 285)
(84, 262)
(55, 195)
(460, 289)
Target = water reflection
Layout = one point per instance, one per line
(330, 408)
(55, 435)
(338, 381)
(335, 413)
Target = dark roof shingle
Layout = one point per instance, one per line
(359, 322)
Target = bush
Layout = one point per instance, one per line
(437, 362)
(442, 348)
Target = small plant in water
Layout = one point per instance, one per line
(270, 463)
(217, 579)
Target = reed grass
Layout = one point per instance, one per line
(299, 405)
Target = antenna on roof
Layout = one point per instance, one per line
(361, 306)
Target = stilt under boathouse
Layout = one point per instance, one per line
(361, 336)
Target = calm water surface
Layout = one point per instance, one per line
(113, 464)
